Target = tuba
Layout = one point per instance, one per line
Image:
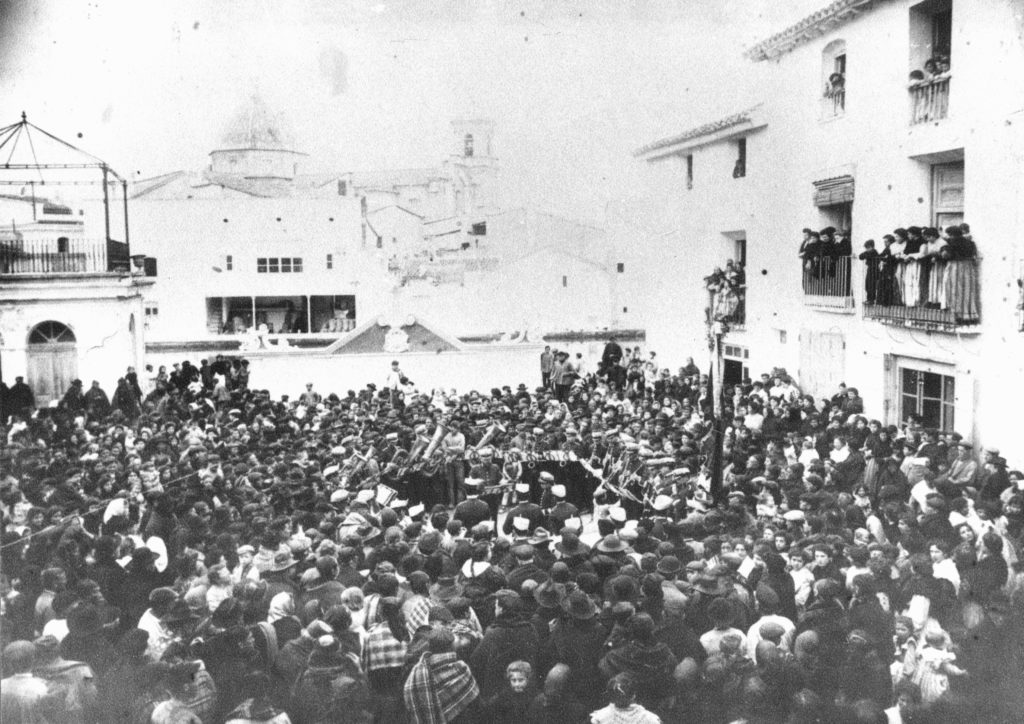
(491, 433)
(354, 466)
(439, 434)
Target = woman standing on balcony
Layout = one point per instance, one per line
(959, 292)
(932, 267)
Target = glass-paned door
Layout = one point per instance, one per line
(930, 395)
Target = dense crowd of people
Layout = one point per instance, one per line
(209, 554)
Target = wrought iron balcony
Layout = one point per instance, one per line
(62, 255)
(929, 100)
(826, 282)
(930, 293)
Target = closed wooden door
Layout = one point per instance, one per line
(822, 362)
(52, 361)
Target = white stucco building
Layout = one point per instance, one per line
(71, 301)
(254, 240)
(871, 153)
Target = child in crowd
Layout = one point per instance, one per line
(623, 708)
(510, 705)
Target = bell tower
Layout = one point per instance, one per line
(474, 166)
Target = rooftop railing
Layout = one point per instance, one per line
(929, 100)
(62, 255)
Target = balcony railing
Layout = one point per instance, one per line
(929, 100)
(728, 304)
(833, 103)
(62, 255)
(928, 293)
(826, 282)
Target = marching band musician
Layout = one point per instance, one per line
(573, 443)
(561, 511)
(473, 510)
(488, 472)
(454, 446)
(523, 508)
(631, 482)
(521, 440)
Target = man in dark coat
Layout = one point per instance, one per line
(648, 660)
(509, 638)
(526, 567)
(97, 404)
(523, 509)
(20, 400)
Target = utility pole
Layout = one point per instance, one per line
(717, 328)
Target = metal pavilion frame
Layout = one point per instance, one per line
(12, 135)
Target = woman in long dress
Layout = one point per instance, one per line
(960, 280)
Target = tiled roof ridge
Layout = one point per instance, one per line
(702, 130)
(839, 11)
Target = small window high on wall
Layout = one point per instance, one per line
(833, 79)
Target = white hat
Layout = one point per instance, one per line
(117, 506)
(521, 523)
(364, 496)
(558, 491)
(339, 495)
(331, 470)
(157, 545)
(522, 487)
(617, 513)
(794, 515)
(547, 476)
(662, 502)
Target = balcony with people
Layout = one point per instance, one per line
(727, 291)
(826, 259)
(929, 91)
(924, 279)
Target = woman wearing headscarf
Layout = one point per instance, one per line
(440, 688)
(383, 660)
(280, 627)
(648, 660)
(332, 688)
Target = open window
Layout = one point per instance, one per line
(739, 169)
(930, 45)
(833, 79)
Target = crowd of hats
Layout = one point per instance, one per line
(158, 551)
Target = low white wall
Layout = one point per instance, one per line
(477, 368)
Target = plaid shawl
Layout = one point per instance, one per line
(439, 688)
(382, 650)
(417, 613)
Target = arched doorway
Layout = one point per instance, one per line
(52, 358)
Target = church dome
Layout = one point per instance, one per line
(254, 126)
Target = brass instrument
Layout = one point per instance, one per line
(492, 431)
(354, 466)
(439, 434)
(410, 457)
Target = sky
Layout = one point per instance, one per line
(573, 87)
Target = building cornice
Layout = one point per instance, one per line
(814, 25)
(748, 119)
